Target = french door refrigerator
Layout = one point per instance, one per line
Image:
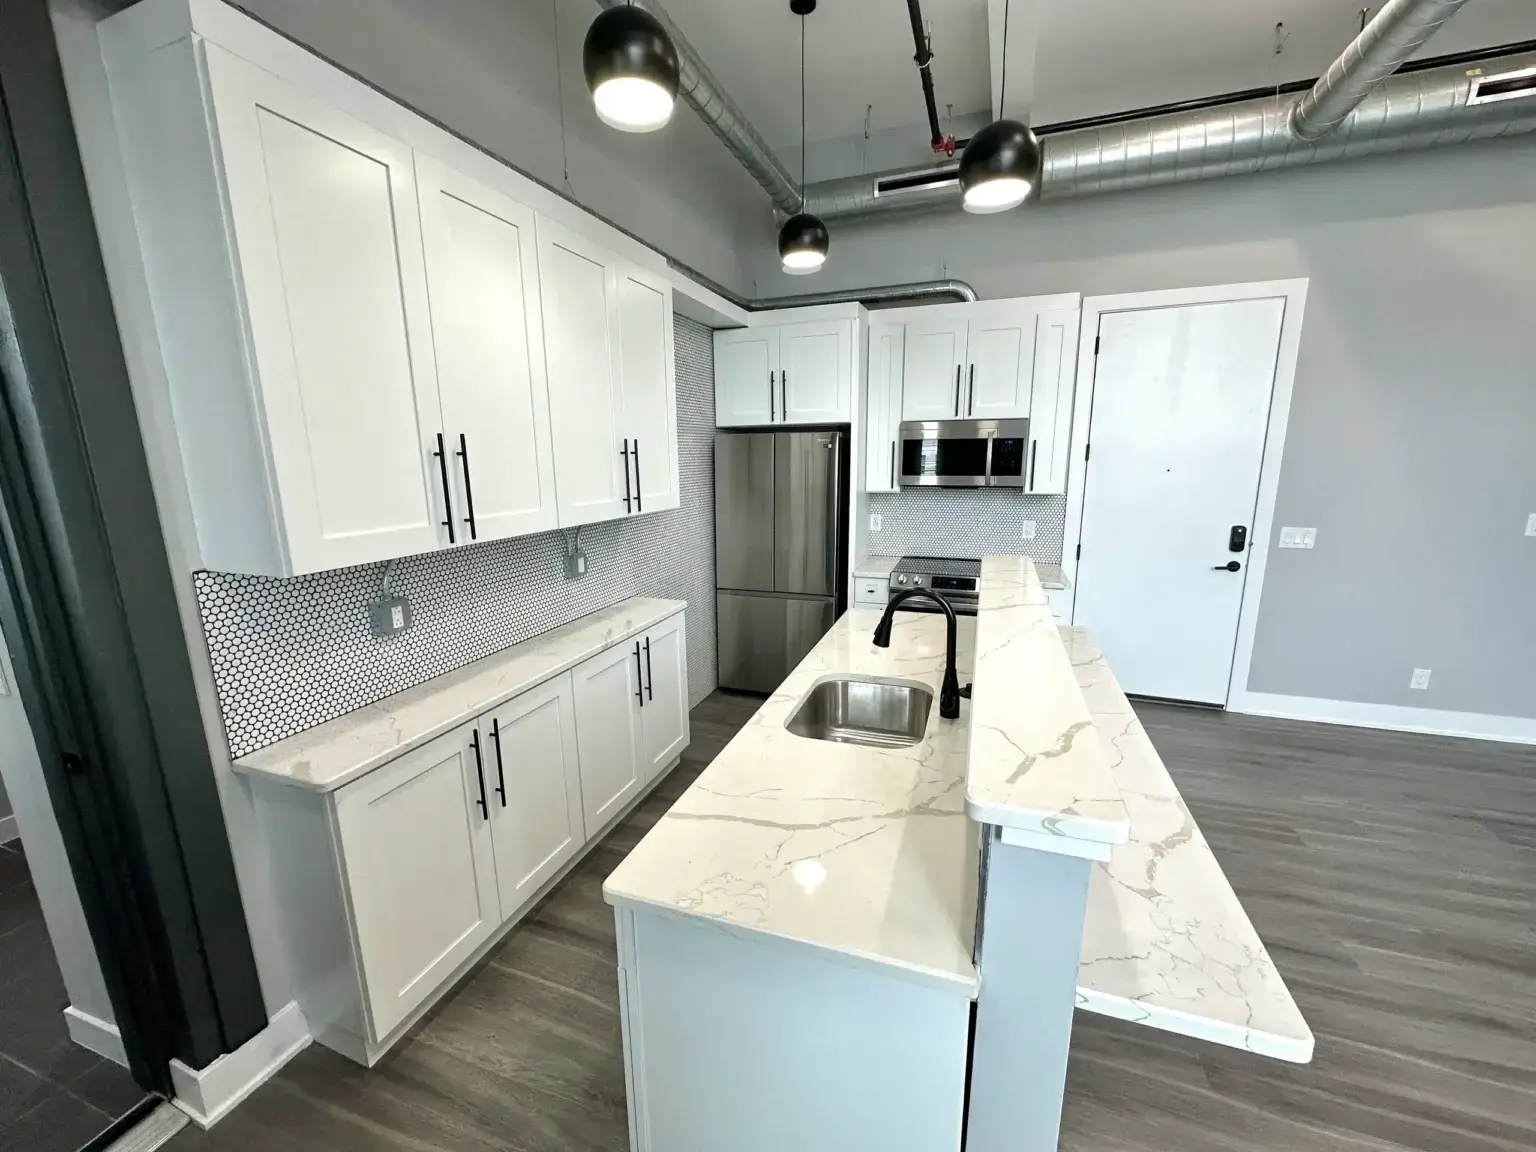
(781, 550)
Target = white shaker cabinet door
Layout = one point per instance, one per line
(607, 689)
(323, 212)
(1000, 350)
(533, 775)
(934, 362)
(416, 843)
(1050, 409)
(747, 377)
(488, 336)
(579, 281)
(664, 711)
(648, 377)
(816, 372)
(885, 371)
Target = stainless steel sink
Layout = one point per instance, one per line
(863, 710)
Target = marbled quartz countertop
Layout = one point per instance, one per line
(324, 758)
(1166, 942)
(865, 853)
(1037, 763)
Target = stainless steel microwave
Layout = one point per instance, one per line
(965, 453)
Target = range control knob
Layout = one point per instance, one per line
(901, 579)
(918, 580)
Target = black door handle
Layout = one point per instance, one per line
(474, 742)
(970, 393)
(442, 467)
(1034, 453)
(1229, 566)
(771, 410)
(639, 677)
(957, 390)
(784, 392)
(469, 493)
(501, 776)
(650, 677)
(624, 452)
(639, 495)
(893, 464)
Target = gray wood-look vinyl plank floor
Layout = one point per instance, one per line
(1392, 876)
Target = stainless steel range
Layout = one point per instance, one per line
(958, 581)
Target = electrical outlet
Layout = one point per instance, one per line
(874, 521)
(1029, 529)
(575, 565)
(1530, 525)
(390, 615)
(1420, 679)
(1298, 537)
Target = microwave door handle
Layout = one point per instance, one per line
(991, 440)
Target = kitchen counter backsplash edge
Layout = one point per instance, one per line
(339, 751)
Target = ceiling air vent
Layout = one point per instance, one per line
(1507, 86)
(926, 180)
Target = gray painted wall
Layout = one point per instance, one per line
(486, 69)
(1414, 413)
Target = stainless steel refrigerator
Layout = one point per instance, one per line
(781, 550)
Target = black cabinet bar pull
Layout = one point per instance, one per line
(501, 775)
(625, 453)
(469, 493)
(639, 495)
(970, 395)
(650, 677)
(1034, 454)
(957, 389)
(772, 410)
(784, 393)
(442, 467)
(474, 742)
(639, 677)
(893, 463)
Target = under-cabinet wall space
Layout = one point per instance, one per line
(967, 522)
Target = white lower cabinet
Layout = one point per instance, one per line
(420, 874)
(391, 886)
(535, 784)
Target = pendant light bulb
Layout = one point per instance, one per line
(999, 167)
(631, 68)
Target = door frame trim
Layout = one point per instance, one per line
(1294, 292)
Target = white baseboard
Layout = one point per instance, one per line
(8, 831)
(207, 1094)
(100, 1037)
(1392, 717)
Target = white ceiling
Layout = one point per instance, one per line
(1067, 58)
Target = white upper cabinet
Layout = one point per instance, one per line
(1000, 350)
(746, 377)
(935, 361)
(646, 375)
(816, 371)
(376, 341)
(323, 213)
(1050, 413)
(797, 372)
(488, 338)
(886, 345)
(580, 282)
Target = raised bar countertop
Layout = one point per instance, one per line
(1037, 763)
(1166, 942)
(863, 853)
(326, 757)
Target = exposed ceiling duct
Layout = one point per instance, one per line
(1385, 44)
(698, 86)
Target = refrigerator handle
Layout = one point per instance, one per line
(835, 446)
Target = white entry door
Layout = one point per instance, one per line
(1180, 411)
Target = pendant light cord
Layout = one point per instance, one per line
(1002, 86)
(802, 112)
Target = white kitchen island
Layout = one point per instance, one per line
(827, 945)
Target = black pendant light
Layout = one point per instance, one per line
(632, 69)
(1001, 163)
(803, 241)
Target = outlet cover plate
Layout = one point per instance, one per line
(874, 521)
(390, 616)
(1029, 529)
(1420, 679)
(1530, 525)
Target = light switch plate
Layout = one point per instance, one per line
(874, 521)
(1530, 525)
(1298, 537)
(1420, 679)
(1029, 529)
